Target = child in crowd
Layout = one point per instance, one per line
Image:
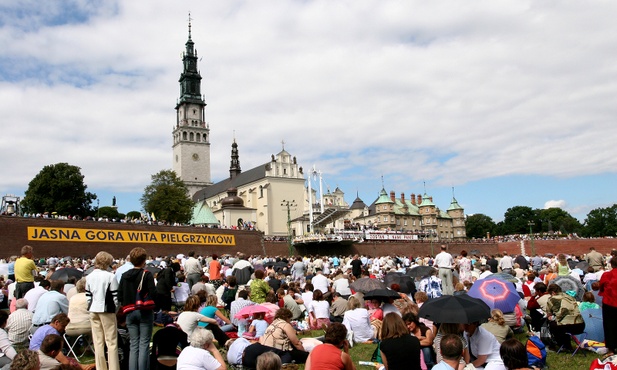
(257, 328)
(181, 291)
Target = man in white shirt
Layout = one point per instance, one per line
(192, 269)
(506, 264)
(33, 295)
(445, 263)
(320, 282)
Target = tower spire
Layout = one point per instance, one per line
(190, 19)
(234, 168)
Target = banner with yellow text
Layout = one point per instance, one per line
(60, 234)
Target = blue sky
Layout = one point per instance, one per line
(511, 103)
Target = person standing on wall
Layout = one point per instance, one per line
(25, 269)
(445, 263)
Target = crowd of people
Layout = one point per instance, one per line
(199, 303)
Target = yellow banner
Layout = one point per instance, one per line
(60, 234)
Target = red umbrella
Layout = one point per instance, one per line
(496, 293)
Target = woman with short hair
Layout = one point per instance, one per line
(202, 354)
(102, 293)
(138, 322)
(564, 317)
(356, 319)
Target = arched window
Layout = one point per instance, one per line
(184, 136)
(192, 137)
(261, 191)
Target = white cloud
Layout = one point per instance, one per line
(555, 204)
(440, 91)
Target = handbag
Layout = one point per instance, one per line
(142, 302)
(377, 354)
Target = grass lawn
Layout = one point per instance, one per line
(363, 352)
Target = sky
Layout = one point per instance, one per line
(499, 103)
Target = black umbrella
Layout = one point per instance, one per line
(455, 309)
(549, 255)
(404, 281)
(382, 294)
(153, 269)
(91, 268)
(583, 265)
(420, 271)
(365, 285)
(65, 273)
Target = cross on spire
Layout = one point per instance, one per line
(190, 19)
(283, 143)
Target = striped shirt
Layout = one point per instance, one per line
(18, 326)
(236, 306)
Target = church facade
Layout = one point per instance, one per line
(274, 197)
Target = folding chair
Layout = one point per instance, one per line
(579, 342)
(78, 335)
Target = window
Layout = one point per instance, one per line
(261, 191)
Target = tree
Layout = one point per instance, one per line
(109, 212)
(58, 188)
(133, 215)
(478, 225)
(558, 220)
(167, 198)
(516, 220)
(601, 222)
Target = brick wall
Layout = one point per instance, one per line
(13, 235)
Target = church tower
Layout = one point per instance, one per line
(191, 134)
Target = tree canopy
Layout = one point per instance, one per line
(601, 222)
(479, 225)
(167, 198)
(58, 188)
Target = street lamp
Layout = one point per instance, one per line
(289, 204)
(533, 249)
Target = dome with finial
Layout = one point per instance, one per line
(232, 199)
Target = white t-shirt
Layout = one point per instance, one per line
(358, 321)
(188, 321)
(483, 342)
(321, 309)
(193, 358)
(320, 282)
(341, 286)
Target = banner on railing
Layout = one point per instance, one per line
(61, 234)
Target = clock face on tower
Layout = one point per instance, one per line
(195, 157)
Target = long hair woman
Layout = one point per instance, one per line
(399, 349)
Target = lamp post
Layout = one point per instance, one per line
(533, 249)
(98, 210)
(289, 204)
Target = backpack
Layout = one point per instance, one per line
(536, 352)
(434, 290)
